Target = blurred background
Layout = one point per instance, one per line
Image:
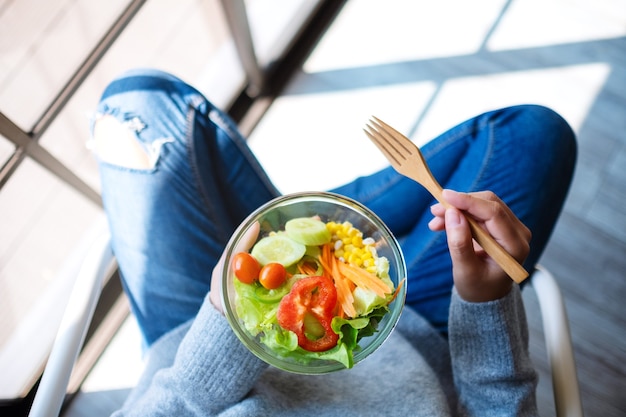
(302, 74)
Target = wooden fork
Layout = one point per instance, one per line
(407, 159)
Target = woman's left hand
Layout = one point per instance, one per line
(245, 244)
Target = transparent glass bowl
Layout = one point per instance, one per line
(329, 207)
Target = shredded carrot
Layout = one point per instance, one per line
(346, 298)
(395, 293)
(364, 279)
(325, 257)
(347, 277)
(306, 269)
(344, 289)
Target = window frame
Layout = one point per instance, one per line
(247, 108)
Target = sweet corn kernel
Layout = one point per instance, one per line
(351, 247)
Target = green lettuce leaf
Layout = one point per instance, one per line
(259, 318)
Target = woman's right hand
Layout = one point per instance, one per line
(477, 277)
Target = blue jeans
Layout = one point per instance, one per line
(170, 222)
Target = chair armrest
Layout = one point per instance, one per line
(558, 343)
(73, 329)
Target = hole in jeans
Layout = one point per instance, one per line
(117, 143)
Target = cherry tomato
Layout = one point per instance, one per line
(245, 267)
(308, 312)
(272, 275)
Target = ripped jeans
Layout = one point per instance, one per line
(172, 213)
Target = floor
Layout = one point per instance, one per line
(423, 67)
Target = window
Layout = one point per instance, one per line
(55, 59)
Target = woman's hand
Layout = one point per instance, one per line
(477, 277)
(245, 244)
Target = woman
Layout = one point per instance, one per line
(178, 178)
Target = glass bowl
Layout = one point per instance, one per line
(272, 217)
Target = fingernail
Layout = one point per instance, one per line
(431, 223)
(449, 192)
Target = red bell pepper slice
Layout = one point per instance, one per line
(308, 310)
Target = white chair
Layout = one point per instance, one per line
(558, 344)
(73, 328)
(70, 337)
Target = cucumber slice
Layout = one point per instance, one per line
(313, 330)
(308, 231)
(270, 296)
(313, 251)
(278, 248)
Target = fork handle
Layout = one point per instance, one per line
(508, 263)
(504, 259)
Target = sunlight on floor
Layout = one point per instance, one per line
(424, 70)
(370, 32)
(569, 90)
(557, 22)
(317, 141)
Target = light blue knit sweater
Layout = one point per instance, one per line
(483, 369)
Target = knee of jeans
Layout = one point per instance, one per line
(546, 118)
(554, 126)
(132, 79)
(551, 131)
(116, 143)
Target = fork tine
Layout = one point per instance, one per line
(390, 141)
(383, 144)
(403, 146)
(407, 159)
(398, 138)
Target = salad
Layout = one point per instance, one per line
(313, 290)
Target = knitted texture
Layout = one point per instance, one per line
(483, 369)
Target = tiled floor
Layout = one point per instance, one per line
(424, 66)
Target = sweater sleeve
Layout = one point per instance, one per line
(211, 371)
(492, 370)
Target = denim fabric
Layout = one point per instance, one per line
(525, 154)
(170, 223)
